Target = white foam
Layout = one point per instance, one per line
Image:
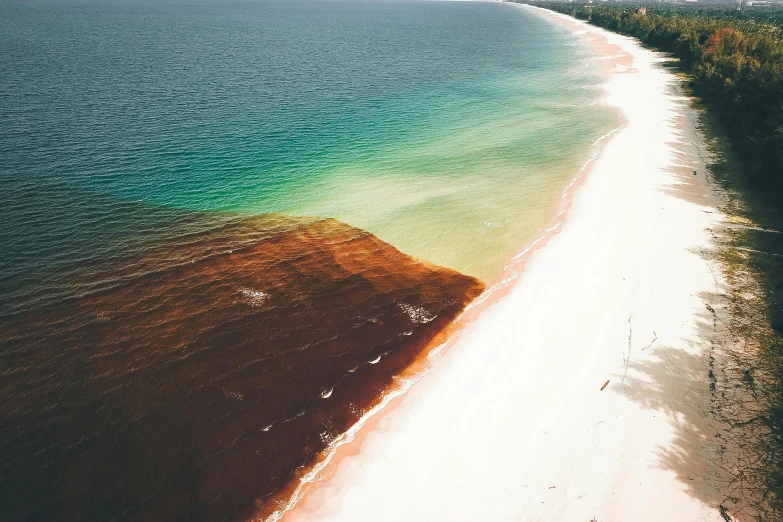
(492, 224)
(254, 297)
(418, 314)
(402, 386)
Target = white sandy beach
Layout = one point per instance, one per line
(512, 424)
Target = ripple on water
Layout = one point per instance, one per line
(192, 379)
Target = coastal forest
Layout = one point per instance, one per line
(732, 58)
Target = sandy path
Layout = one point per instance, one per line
(512, 423)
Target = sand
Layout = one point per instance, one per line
(514, 422)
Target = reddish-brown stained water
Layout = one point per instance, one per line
(193, 381)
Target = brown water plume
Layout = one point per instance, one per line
(191, 382)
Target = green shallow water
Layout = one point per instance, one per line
(447, 129)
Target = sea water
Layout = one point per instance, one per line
(226, 225)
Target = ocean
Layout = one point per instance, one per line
(227, 225)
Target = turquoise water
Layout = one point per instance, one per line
(182, 327)
(446, 129)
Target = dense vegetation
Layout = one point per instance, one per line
(748, 19)
(735, 60)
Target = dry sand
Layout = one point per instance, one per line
(512, 423)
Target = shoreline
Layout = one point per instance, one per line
(340, 488)
(349, 442)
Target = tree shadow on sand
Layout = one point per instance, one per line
(711, 410)
(720, 391)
